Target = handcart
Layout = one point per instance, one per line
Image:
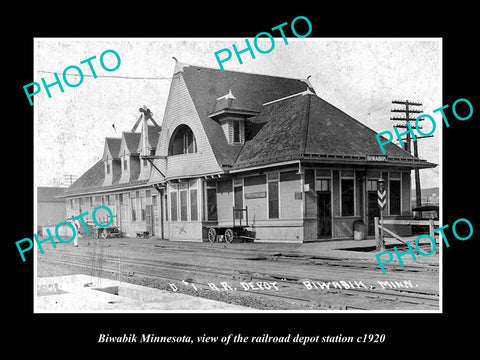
(228, 233)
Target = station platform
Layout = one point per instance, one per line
(85, 293)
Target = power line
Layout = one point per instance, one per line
(111, 76)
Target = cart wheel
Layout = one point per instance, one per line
(212, 235)
(229, 235)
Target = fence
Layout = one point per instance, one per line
(431, 224)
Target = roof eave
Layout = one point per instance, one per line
(233, 112)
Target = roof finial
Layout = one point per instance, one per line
(178, 65)
(227, 96)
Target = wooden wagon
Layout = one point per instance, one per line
(108, 232)
(229, 232)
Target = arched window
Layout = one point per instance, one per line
(182, 141)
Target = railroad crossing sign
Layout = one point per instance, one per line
(382, 194)
(381, 199)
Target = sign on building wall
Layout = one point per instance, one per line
(376, 157)
(256, 195)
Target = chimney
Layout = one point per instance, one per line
(146, 115)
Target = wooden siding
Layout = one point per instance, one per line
(145, 171)
(115, 171)
(181, 110)
(225, 202)
(406, 193)
(257, 207)
(290, 208)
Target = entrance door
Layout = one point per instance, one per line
(373, 211)
(155, 217)
(324, 214)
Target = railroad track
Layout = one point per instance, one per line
(288, 255)
(292, 289)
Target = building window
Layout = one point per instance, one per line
(132, 207)
(395, 195)
(371, 185)
(348, 197)
(173, 204)
(142, 208)
(236, 131)
(124, 206)
(183, 188)
(108, 168)
(193, 201)
(273, 205)
(182, 141)
(238, 197)
(211, 200)
(322, 180)
(145, 162)
(165, 206)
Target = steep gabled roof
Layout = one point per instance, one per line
(112, 147)
(205, 85)
(131, 141)
(307, 127)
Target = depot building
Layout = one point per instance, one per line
(304, 169)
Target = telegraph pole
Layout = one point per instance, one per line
(69, 178)
(410, 108)
(407, 111)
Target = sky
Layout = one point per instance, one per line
(359, 76)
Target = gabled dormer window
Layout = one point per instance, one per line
(125, 166)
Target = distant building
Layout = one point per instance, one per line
(50, 205)
(430, 196)
(305, 169)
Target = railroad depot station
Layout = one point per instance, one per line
(262, 156)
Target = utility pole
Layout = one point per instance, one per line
(410, 109)
(407, 111)
(69, 178)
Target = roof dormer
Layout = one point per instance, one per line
(231, 115)
(111, 160)
(129, 156)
